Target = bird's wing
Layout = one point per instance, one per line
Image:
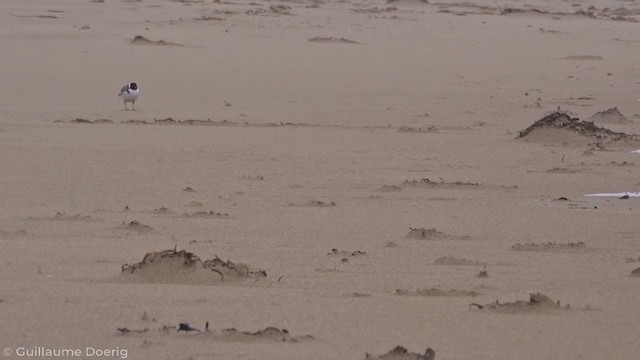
(125, 89)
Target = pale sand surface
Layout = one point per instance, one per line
(470, 82)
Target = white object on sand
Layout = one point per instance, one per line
(130, 93)
(620, 194)
(636, 151)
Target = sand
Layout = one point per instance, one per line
(278, 131)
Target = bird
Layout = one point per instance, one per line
(130, 93)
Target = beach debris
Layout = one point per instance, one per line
(135, 225)
(561, 120)
(336, 252)
(268, 334)
(433, 292)
(358, 295)
(206, 215)
(173, 266)
(483, 273)
(431, 234)
(141, 40)
(315, 203)
(161, 210)
(61, 216)
(376, 10)
(249, 177)
(426, 182)
(409, 129)
(538, 302)
(401, 353)
(333, 40)
(318, 203)
(186, 327)
(86, 121)
(549, 246)
(125, 330)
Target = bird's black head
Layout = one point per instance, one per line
(133, 86)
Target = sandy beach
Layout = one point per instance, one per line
(315, 179)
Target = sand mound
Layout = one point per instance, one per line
(252, 178)
(344, 253)
(162, 211)
(483, 273)
(431, 234)
(13, 234)
(182, 267)
(609, 116)
(559, 127)
(410, 129)
(315, 203)
(35, 16)
(357, 295)
(141, 40)
(582, 57)
(87, 121)
(538, 303)
(333, 40)
(450, 260)
(423, 233)
(636, 272)
(550, 246)
(206, 215)
(194, 204)
(376, 10)
(137, 226)
(318, 203)
(401, 353)
(389, 188)
(273, 10)
(408, 2)
(60, 216)
(270, 334)
(433, 292)
(627, 260)
(426, 183)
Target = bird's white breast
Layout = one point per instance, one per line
(131, 96)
